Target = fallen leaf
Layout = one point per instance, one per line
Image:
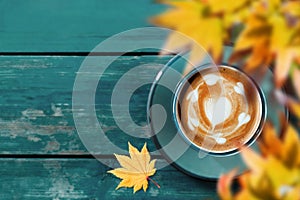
(136, 169)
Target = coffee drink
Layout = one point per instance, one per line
(219, 109)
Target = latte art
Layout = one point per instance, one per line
(219, 110)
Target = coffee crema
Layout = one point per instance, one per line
(219, 109)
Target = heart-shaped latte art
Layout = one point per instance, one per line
(243, 118)
(217, 110)
(216, 113)
(239, 88)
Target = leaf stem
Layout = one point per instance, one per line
(154, 182)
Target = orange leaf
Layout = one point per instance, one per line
(259, 55)
(270, 143)
(253, 160)
(224, 184)
(284, 60)
(291, 147)
(201, 21)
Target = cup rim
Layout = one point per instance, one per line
(180, 129)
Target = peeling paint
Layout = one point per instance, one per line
(61, 187)
(33, 138)
(52, 146)
(32, 113)
(57, 111)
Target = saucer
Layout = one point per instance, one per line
(167, 137)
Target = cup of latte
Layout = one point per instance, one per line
(219, 109)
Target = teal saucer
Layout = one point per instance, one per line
(167, 137)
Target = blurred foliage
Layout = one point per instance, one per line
(273, 175)
(264, 33)
(270, 32)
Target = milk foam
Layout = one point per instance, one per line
(218, 137)
(239, 88)
(211, 79)
(218, 109)
(213, 108)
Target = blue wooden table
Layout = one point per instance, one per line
(42, 45)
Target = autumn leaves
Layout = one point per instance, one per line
(273, 175)
(270, 31)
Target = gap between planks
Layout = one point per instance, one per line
(149, 53)
(67, 156)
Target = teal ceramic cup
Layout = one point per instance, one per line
(218, 110)
(171, 140)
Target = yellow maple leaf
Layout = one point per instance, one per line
(136, 169)
(207, 23)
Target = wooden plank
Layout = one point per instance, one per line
(68, 25)
(87, 179)
(36, 109)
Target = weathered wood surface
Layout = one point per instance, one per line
(36, 120)
(41, 155)
(87, 179)
(69, 26)
(36, 109)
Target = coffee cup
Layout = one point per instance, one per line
(219, 109)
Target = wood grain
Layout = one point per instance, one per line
(36, 103)
(41, 154)
(87, 179)
(69, 25)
